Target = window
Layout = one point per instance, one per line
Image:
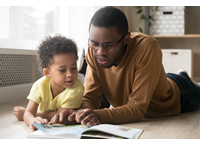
(74, 23)
(23, 27)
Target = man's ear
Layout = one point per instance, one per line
(46, 72)
(127, 36)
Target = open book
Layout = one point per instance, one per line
(83, 131)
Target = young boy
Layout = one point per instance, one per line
(59, 88)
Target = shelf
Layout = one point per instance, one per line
(177, 36)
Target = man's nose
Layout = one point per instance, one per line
(101, 50)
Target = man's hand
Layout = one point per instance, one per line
(85, 116)
(62, 117)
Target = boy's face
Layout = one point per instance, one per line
(63, 71)
(109, 37)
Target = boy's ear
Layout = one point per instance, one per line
(46, 72)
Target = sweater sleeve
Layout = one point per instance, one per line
(148, 68)
(93, 90)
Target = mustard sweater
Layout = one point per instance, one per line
(136, 88)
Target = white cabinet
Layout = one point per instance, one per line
(175, 59)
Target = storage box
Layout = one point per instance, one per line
(176, 59)
(168, 20)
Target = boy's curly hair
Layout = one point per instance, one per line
(54, 45)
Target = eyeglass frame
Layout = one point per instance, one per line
(104, 46)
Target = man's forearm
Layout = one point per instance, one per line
(89, 104)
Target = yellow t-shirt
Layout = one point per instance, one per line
(41, 94)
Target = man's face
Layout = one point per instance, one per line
(109, 52)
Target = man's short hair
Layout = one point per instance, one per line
(110, 17)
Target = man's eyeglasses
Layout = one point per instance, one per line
(109, 47)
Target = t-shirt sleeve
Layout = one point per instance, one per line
(35, 94)
(73, 99)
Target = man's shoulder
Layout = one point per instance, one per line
(137, 34)
(139, 44)
(141, 41)
(141, 36)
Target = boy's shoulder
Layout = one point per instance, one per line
(78, 84)
(43, 81)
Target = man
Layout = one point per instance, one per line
(128, 69)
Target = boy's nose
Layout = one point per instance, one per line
(69, 74)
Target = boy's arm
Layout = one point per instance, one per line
(48, 115)
(30, 112)
(30, 115)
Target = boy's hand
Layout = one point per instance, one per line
(62, 117)
(38, 120)
(19, 112)
(85, 116)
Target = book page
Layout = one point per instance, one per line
(125, 132)
(40, 134)
(61, 130)
(98, 134)
(76, 131)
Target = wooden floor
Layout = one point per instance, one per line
(185, 126)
